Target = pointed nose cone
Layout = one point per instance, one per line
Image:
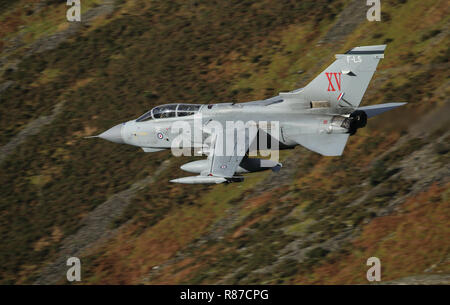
(113, 134)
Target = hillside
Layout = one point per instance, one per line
(315, 222)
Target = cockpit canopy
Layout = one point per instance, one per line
(169, 111)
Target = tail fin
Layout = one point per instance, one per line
(345, 81)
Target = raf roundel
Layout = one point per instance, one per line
(160, 135)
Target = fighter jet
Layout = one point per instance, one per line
(320, 117)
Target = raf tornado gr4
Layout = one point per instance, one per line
(320, 117)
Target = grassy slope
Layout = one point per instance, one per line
(407, 243)
(159, 52)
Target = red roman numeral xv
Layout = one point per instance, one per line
(337, 78)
